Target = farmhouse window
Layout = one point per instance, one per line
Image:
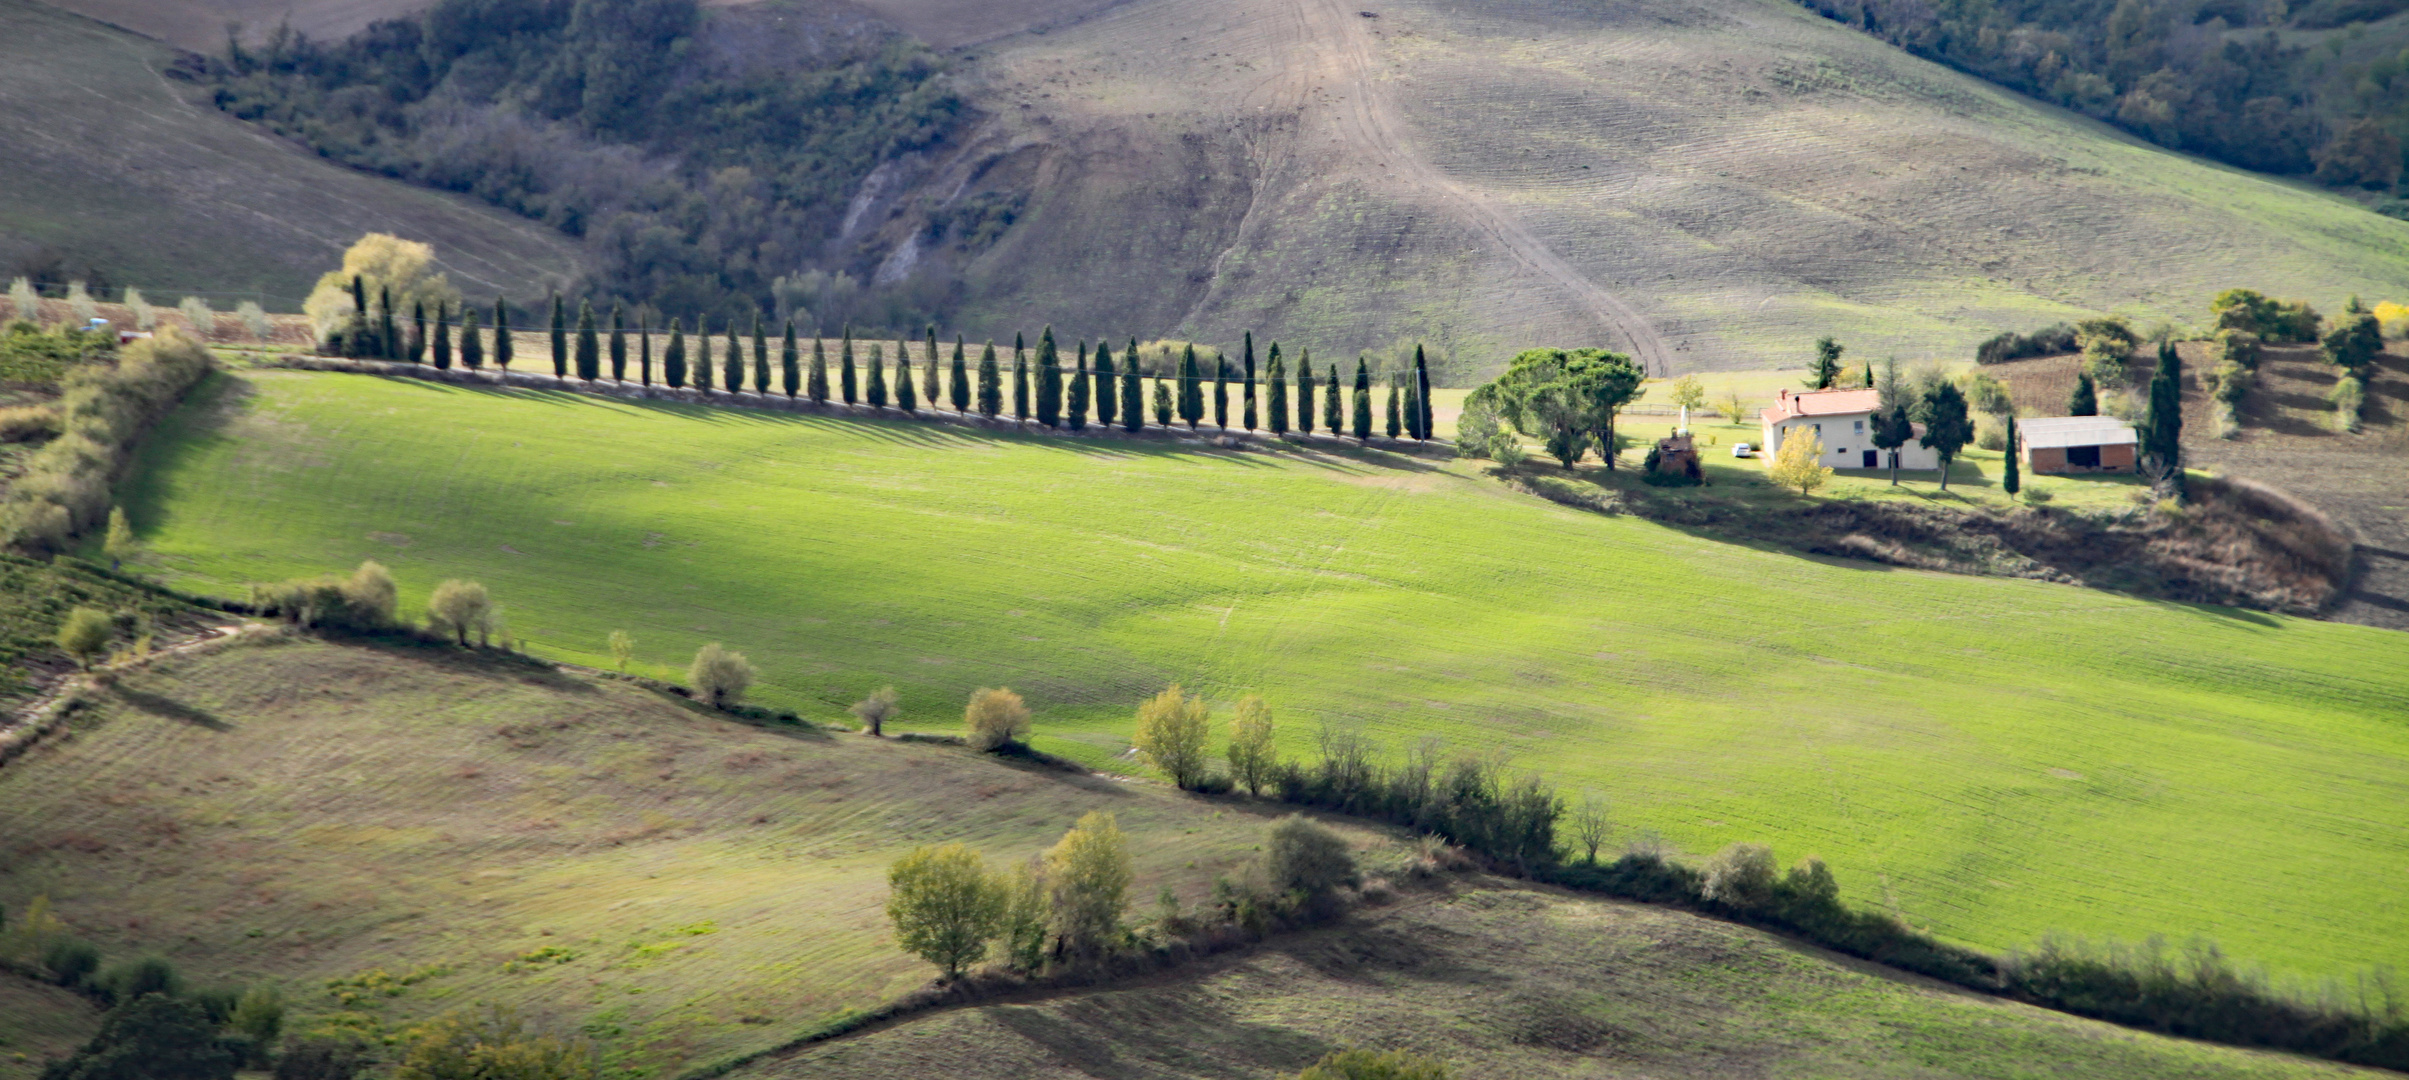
(1860, 427)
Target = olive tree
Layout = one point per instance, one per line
(1301, 856)
(458, 607)
(995, 718)
(720, 674)
(874, 711)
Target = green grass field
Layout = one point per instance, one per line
(676, 885)
(1991, 759)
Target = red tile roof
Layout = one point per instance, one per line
(1824, 403)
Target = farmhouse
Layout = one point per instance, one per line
(1844, 421)
(2064, 444)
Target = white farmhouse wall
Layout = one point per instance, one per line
(1846, 440)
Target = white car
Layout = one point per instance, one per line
(1743, 450)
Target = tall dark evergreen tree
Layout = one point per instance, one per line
(389, 342)
(2085, 401)
(504, 351)
(1049, 381)
(931, 387)
(844, 369)
(1221, 392)
(1305, 401)
(816, 387)
(1133, 391)
(1074, 403)
(359, 297)
(1422, 394)
(2162, 429)
(991, 384)
(877, 390)
(560, 338)
(418, 331)
(790, 363)
(731, 370)
(443, 337)
(2011, 478)
(1334, 410)
(1020, 381)
(589, 346)
(702, 353)
(1395, 425)
(761, 359)
(907, 393)
(1191, 388)
(618, 343)
(472, 348)
(1250, 381)
(1275, 392)
(643, 349)
(958, 386)
(1108, 386)
(1164, 409)
(1363, 400)
(673, 358)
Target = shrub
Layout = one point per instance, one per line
(151, 1036)
(1087, 877)
(103, 411)
(27, 302)
(994, 719)
(1251, 754)
(944, 905)
(2239, 347)
(28, 423)
(1740, 875)
(457, 607)
(318, 1058)
(70, 961)
(623, 649)
(259, 1015)
(1371, 1065)
(85, 634)
(255, 320)
(1303, 857)
(367, 601)
(2349, 396)
(133, 979)
(874, 711)
(1172, 732)
(719, 674)
(498, 1046)
(198, 316)
(2047, 341)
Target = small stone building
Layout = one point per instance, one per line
(1677, 456)
(2078, 444)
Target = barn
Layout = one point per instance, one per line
(2077, 444)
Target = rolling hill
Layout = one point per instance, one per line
(112, 174)
(1713, 183)
(1993, 759)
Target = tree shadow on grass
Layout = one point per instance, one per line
(169, 708)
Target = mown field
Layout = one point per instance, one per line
(674, 884)
(1992, 759)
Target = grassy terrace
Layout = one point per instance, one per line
(1991, 759)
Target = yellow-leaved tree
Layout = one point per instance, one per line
(381, 261)
(1799, 463)
(1172, 732)
(1088, 874)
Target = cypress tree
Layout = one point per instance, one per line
(589, 347)
(418, 331)
(2162, 433)
(958, 388)
(1162, 402)
(1221, 392)
(991, 384)
(1413, 408)
(1305, 391)
(1395, 426)
(560, 338)
(1250, 380)
(1422, 394)
(1363, 401)
(2085, 401)
(503, 350)
(845, 376)
(359, 297)
(643, 350)
(1334, 414)
(1133, 391)
(443, 337)
(907, 396)
(1275, 391)
(790, 363)
(673, 358)
(929, 391)
(1076, 403)
(702, 353)
(389, 343)
(817, 386)
(732, 369)
(1108, 386)
(1191, 388)
(1049, 381)
(472, 350)
(1020, 382)
(618, 344)
(2010, 480)
(878, 376)
(761, 359)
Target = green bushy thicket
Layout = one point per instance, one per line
(2047, 341)
(103, 412)
(30, 354)
(699, 153)
(36, 597)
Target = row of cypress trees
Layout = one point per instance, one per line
(381, 336)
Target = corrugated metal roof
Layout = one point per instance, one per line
(2051, 432)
